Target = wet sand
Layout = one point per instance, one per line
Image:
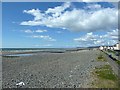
(51, 70)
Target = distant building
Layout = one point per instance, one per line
(117, 46)
(105, 47)
(114, 47)
(101, 48)
(108, 48)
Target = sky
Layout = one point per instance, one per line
(58, 24)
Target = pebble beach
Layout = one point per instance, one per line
(50, 70)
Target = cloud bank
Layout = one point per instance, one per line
(92, 18)
(110, 38)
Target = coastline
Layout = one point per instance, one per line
(50, 70)
(32, 51)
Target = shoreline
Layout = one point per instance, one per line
(4, 53)
(50, 70)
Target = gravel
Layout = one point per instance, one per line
(51, 70)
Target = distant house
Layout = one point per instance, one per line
(112, 48)
(101, 48)
(116, 46)
(105, 47)
(108, 48)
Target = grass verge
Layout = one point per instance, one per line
(111, 51)
(118, 62)
(105, 72)
(105, 78)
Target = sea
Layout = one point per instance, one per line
(49, 50)
(34, 49)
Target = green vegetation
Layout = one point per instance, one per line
(118, 62)
(111, 51)
(105, 72)
(101, 58)
(105, 78)
(116, 53)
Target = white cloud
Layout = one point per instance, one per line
(76, 19)
(91, 39)
(35, 12)
(28, 31)
(93, 6)
(58, 10)
(47, 37)
(34, 31)
(31, 23)
(40, 31)
(114, 34)
(87, 38)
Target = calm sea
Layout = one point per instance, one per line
(36, 49)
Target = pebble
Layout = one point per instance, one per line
(74, 75)
(70, 76)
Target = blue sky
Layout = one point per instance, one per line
(57, 24)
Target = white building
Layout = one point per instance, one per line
(101, 47)
(108, 48)
(117, 46)
(112, 48)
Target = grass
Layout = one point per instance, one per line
(105, 78)
(114, 52)
(101, 58)
(118, 62)
(105, 72)
(111, 51)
